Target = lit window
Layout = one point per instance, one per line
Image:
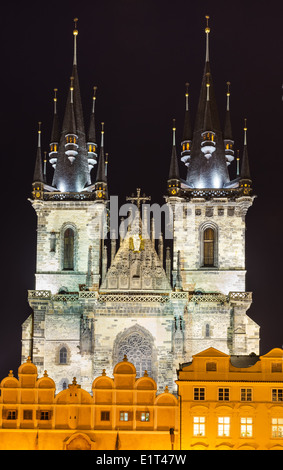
(223, 394)
(144, 416)
(277, 427)
(199, 394)
(277, 394)
(199, 426)
(224, 426)
(124, 416)
(246, 427)
(246, 394)
(188, 146)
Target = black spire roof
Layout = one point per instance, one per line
(203, 173)
(73, 177)
(174, 167)
(38, 173)
(101, 174)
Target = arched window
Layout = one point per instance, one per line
(63, 356)
(208, 247)
(69, 237)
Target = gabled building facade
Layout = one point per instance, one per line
(94, 303)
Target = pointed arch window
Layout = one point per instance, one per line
(209, 247)
(69, 238)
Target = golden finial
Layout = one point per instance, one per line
(45, 374)
(187, 89)
(245, 128)
(207, 29)
(74, 381)
(94, 92)
(55, 94)
(102, 128)
(103, 372)
(72, 83)
(174, 124)
(228, 88)
(10, 374)
(39, 127)
(125, 358)
(75, 32)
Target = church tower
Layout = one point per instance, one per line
(209, 228)
(100, 295)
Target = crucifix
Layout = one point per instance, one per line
(138, 198)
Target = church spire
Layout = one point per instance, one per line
(187, 132)
(245, 176)
(207, 141)
(72, 174)
(173, 183)
(38, 178)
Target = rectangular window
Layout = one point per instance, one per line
(277, 394)
(44, 415)
(199, 426)
(144, 416)
(199, 394)
(277, 427)
(224, 426)
(124, 416)
(105, 416)
(223, 394)
(276, 367)
(11, 414)
(27, 414)
(246, 394)
(246, 427)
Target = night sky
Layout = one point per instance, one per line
(140, 54)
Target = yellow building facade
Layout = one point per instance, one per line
(231, 402)
(121, 413)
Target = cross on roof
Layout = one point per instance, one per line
(138, 198)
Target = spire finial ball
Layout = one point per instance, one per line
(207, 29)
(75, 32)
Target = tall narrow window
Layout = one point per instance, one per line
(208, 247)
(69, 249)
(63, 356)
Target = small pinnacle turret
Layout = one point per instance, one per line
(91, 144)
(38, 179)
(245, 176)
(173, 183)
(101, 179)
(187, 133)
(228, 136)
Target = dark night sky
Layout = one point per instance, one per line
(140, 53)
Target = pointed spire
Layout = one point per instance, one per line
(174, 169)
(245, 168)
(174, 176)
(100, 176)
(38, 173)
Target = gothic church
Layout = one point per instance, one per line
(96, 300)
